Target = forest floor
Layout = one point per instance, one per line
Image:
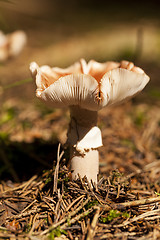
(38, 200)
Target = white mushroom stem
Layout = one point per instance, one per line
(84, 138)
(85, 165)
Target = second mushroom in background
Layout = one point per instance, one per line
(11, 44)
(85, 89)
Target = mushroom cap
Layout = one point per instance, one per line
(91, 86)
(16, 40)
(3, 47)
(3, 39)
(11, 44)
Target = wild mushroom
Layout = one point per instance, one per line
(87, 88)
(11, 44)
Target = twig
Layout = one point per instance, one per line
(137, 202)
(20, 186)
(29, 206)
(123, 235)
(33, 225)
(91, 231)
(25, 214)
(152, 218)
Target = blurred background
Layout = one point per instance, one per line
(58, 34)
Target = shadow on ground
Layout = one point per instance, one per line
(20, 160)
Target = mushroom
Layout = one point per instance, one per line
(11, 44)
(85, 89)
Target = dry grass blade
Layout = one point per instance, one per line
(25, 186)
(59, 156)
(154, 164)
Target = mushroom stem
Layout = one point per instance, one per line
(85, 165)
(84, 138)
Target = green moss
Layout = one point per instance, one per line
(115, 175)
(125, 215)
(112, 214)
(27, 228)
(4, 136)
(7, 115)
(26, 124)
(91, 204)
(68, 222)
(139, 119)
(126, 54)
(41, 107)
(48, 180)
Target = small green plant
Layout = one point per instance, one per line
(27, 228)
(158, 194)
(56, 233)
(26, 124)
(49, 179)
(68, 222)
(115, 176)
(4, 136)
(7, 115)
(139, 119)
(18, 83)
